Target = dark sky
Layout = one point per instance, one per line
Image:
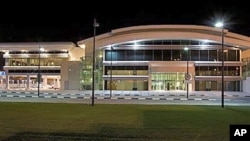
(72, 21)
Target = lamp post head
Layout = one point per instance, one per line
(41, 49)
(186, 48)
(219, 24)
(96, 24)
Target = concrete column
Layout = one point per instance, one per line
(18, 83)
(54, 83)
(45, 79)
(58, 82)
(149, 79)
(7, 81)
(1, 83)
(28, 81)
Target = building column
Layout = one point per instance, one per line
(1, 83)
(44, 78)
(7, 81)
(18, 84)
(57, 82)
(54, 82)
(149, 79)
(28, 82)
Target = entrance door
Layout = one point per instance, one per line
(157, 85)
(169, 85)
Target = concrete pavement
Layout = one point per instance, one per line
(127, 97)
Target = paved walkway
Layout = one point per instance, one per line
(128, 97)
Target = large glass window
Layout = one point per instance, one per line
(120, 55)
(212, 55)
(127, 70)
(176, 55)
(204, 55)
(167, 54)
(216, 85)
(148, 55)
(108, 55)
(157, 55)
(220, 55)
(128, 85)
(131, 55)
(168, 81)
(35, 61)
(238, 55)
(172, 55)
(185, 55)
(139, 55)
(232, 55)
(216, 70)
(195, 56)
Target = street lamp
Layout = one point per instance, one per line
(187, 76)
(221, 25)
(93, 64)
(39, 70)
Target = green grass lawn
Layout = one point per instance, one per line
(74, 122)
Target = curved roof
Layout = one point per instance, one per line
(165, 32)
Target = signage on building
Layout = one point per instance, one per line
(187, 77)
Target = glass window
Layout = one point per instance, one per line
(139, 55)
(167, 55)
(148, 55)
(184, 55)
(203, 70)
(176, 42)
(212, 55)
(130, 55)
(232, 55)
(148, 42)
(203, 55)
(185, 42)
(120, 55)
(237, 55)
(197, 70)
(194, 42)
(176, 55)
(157, 55)
(158, 42)
(212, 71)
(108, 55)
(167, 42)
(194, 55)
(220, 55)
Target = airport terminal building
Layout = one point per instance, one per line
(166, 58)
(138, 58)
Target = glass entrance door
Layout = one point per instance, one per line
(157, 85)
(168, 81)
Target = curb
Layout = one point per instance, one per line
(101, 98)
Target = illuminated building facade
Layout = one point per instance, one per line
(58, 63)
(157, 57)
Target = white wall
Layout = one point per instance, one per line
(246, 85)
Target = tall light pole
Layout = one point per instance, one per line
(111, 69)
(187, 76)
(39, 70)
(221, 25)
(93, 64)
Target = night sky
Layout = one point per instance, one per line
(64, 21)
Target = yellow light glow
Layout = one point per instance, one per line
(82, 46)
